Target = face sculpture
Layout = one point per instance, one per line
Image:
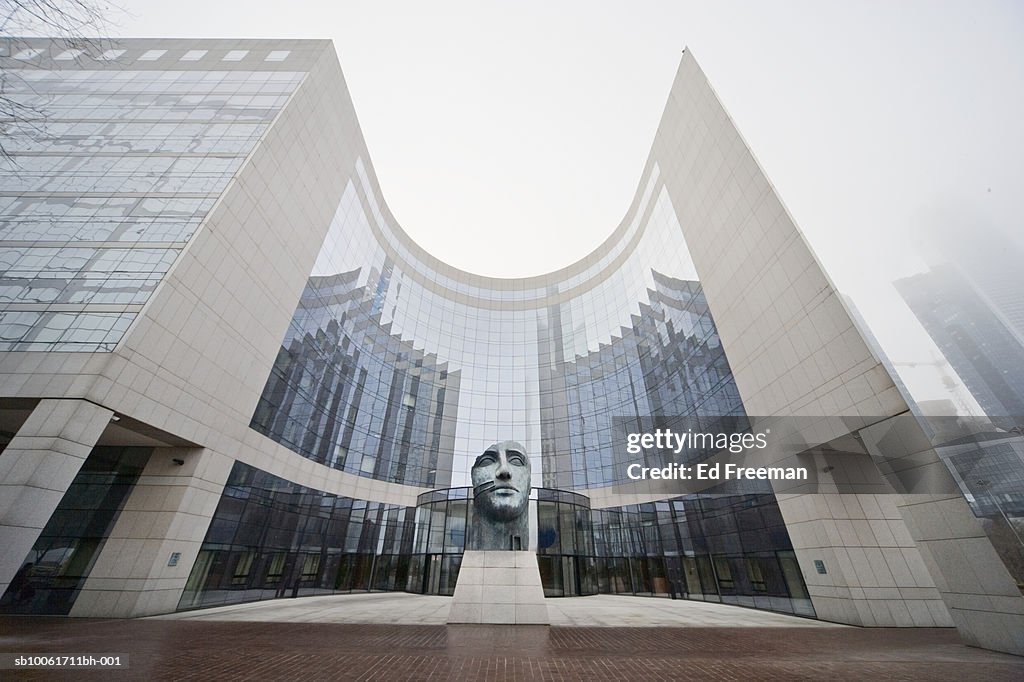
(501, 481)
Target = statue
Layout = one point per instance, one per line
(501, 489)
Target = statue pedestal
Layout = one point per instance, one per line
(499, 587)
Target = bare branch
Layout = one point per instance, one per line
(69, 24)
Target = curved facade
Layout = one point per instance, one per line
(400, 368)
(294, 392)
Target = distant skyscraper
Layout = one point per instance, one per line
(975, 336)
(990, 261)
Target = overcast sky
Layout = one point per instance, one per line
(509, 136)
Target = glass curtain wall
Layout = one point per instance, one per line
(58, 564)
(398, 367)
(270, 538)
(99, 198)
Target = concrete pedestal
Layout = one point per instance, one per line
(499, 587)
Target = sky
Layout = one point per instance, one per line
(509, 137)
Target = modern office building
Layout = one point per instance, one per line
(975, 334)
(229, 375)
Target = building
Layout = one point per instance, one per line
(230, 375)
(969, 308)
(985, 459)
(977, 336)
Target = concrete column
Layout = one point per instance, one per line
(36, 470)
(167, 513)
(982, 597)
(874, 575)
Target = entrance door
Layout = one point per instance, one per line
(432, 575)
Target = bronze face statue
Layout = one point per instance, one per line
(501, 490)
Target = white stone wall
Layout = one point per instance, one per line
(794, 351)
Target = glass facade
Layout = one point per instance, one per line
(722, 548)
(98, 200)
(271, 538)
(400, 368)
(55, 569)
(391, 351)
(730, 549)
(346, 393)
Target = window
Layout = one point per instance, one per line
(756, 575)
(277, 56)
(242, 568)
(724, 573)
(152, 55)
(310, 567)
(193, 56)
(235, 55)
(276, 568)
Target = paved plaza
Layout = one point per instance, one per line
(314, 639)
(603, 610)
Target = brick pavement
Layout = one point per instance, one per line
(205, 650)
